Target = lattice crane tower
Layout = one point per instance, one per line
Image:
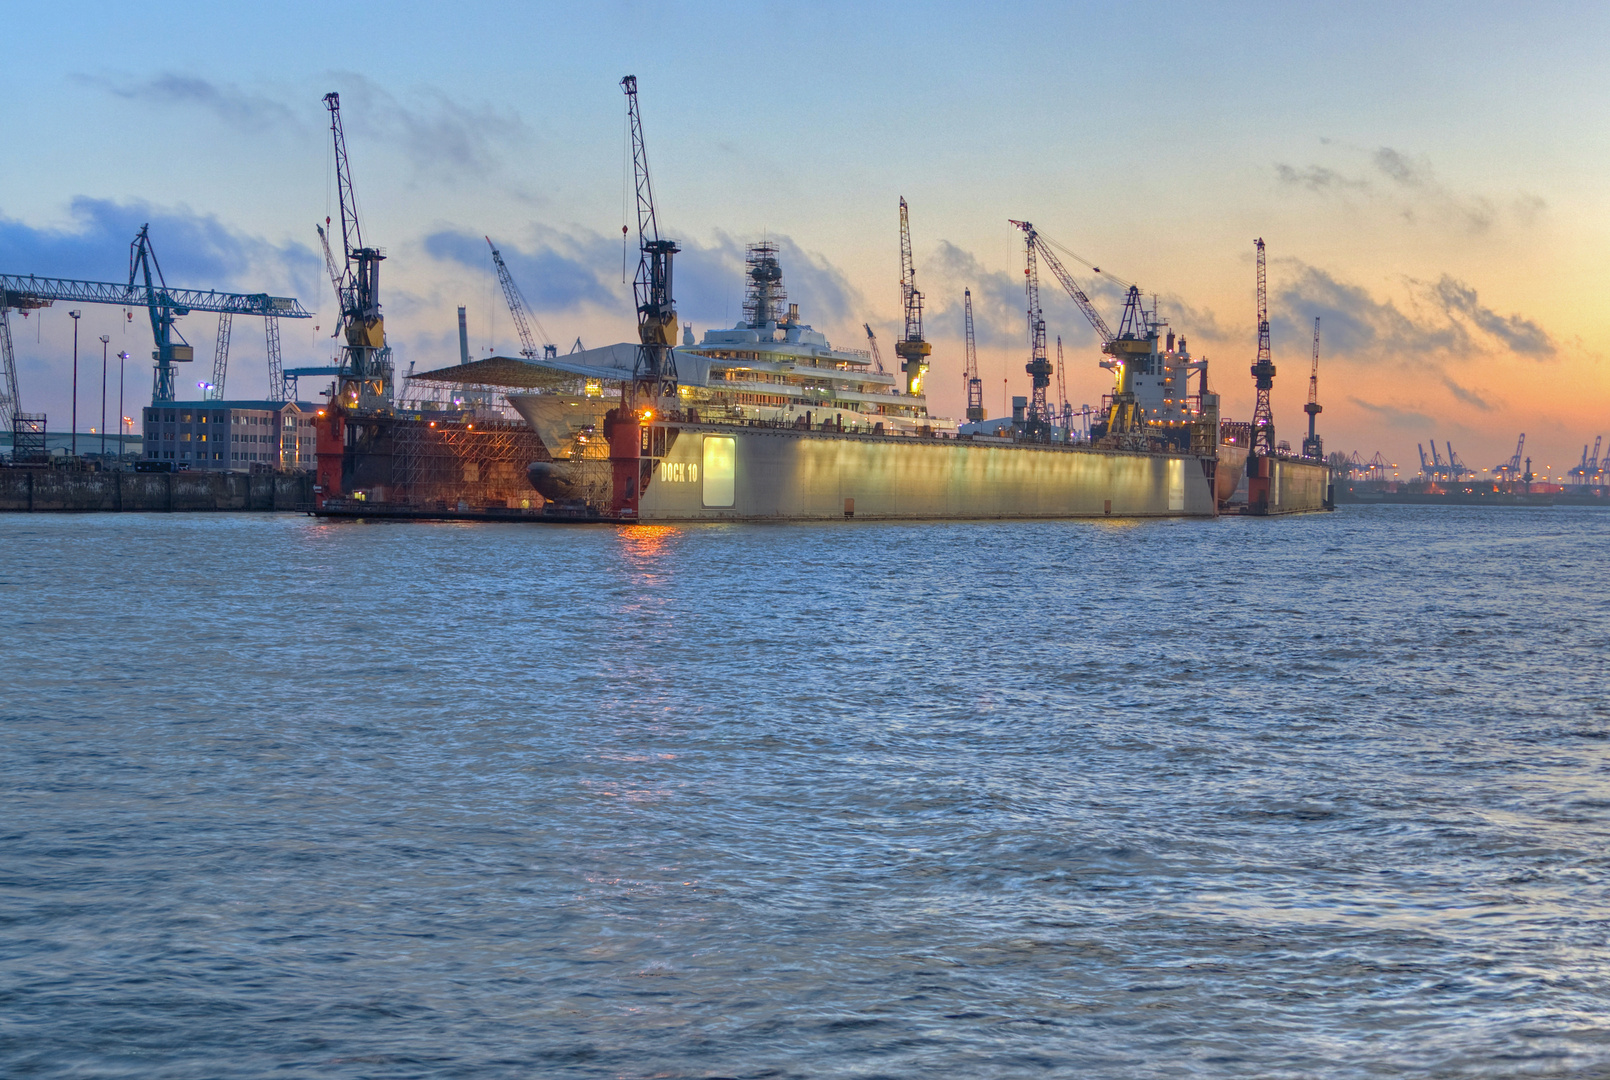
(1263, 372)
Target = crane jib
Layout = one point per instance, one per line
(22, 291)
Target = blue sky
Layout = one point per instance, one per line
(1428, 178)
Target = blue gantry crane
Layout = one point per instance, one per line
(145, 288)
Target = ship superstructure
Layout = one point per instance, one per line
(771, 366)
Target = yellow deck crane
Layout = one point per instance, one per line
(654, 374)
(365, 379)
(912, 349)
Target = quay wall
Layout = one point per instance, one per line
(51, 490)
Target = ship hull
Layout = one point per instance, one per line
(723, 472)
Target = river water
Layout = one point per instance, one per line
(1325, 796)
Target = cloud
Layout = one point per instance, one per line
(195, 250)
(1469, 397)
(1401, 169)
(1355, 324)
(1409, 187)
(438, 135)
(227, 102)
(1401, 418)
(559, 271)
(1453, 326)
(1518, 334)
(1317, 178)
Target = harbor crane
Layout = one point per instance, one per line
(1037, 424)
(278, 385)
(912, 349)
(522, 315)
(1132, 342)
(1511, 469)
(1436, 469)
(365, 379)
(1313, 446)
(655, 369)
(1589, 465)
(1263, 372)
(1071, 287)
(877, 354)
(1456, 468)
(975, 385)
(147, 288)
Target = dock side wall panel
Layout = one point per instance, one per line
(784, 475)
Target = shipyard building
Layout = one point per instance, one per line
(231, 436)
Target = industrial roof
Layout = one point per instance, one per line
(493, 371)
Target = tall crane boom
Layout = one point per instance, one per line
(655, 369)
(975, 385)
(1065, 410)
(1263, 371)
(335, 277)
(1070, 286)
(877, 354)
(365, 379)
(517, 308)
(1313, 446)
(912, 349)
(1037, 425)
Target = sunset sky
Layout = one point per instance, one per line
(1430, 180)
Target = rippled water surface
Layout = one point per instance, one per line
(1311, 797)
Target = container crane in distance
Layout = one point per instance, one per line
(655, 370)
(522, 315)
(1511, 469)
(975, 385)
(1313, 446)
(912, 349)
(1589, 465)
(365, 381)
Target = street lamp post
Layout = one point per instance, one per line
(104, 340)
(122, 436)
(75, 315)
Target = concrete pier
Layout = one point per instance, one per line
(55, 490)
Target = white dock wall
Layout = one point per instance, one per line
(786, 474)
